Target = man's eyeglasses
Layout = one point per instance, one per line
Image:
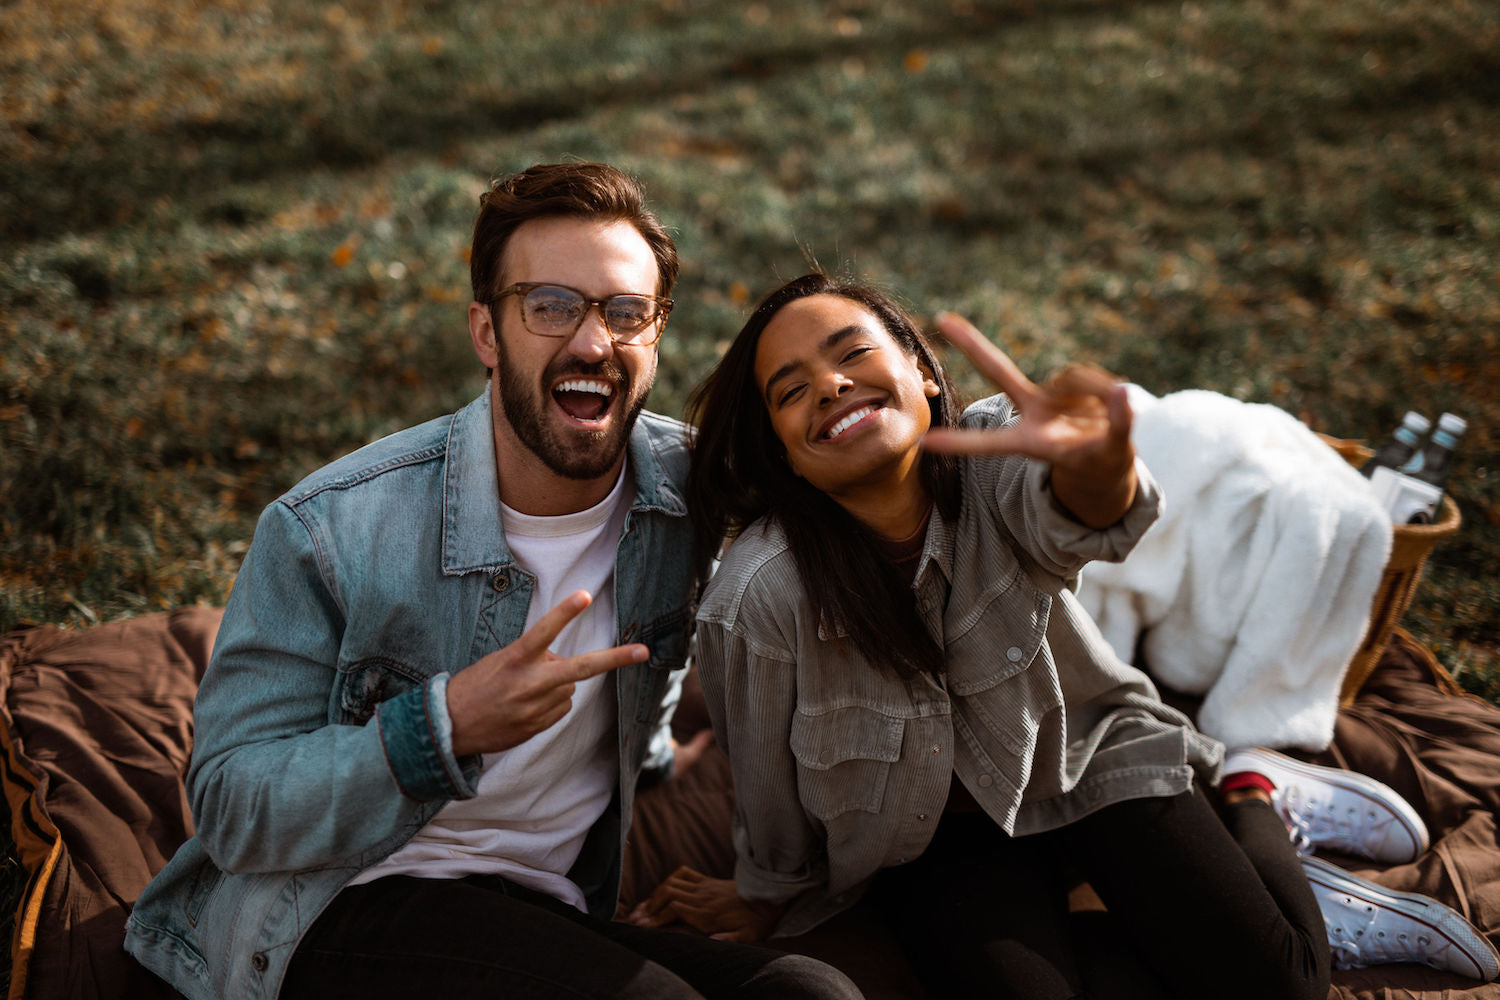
(558, 311)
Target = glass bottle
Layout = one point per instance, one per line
(1435, 461)
(1401, 447)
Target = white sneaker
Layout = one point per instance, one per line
(1370, 925)
(1333, 808)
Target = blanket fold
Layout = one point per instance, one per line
(1407, 728)
(1253, 590)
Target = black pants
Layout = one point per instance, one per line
(1198, 905)
(482, 936)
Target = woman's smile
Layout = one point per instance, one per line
(848, 421)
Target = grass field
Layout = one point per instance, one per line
(233, 236)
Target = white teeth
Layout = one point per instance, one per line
(848, 422)
(586, 385)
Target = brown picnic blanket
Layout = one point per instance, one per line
(97, 729)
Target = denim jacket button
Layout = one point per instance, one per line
(259, 962)
(985, 781)
(500, 582)
(1013, 654)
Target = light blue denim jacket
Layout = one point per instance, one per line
(323, 741)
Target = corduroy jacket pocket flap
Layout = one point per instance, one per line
(827, 739)
(1002, 642)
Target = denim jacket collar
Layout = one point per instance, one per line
(654, 489)
(473, 539)
(472, 536)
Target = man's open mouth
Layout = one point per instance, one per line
(584, 399)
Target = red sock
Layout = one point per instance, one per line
(1247, 779)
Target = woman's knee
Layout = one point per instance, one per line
(799, 977)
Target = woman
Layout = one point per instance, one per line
(920, 718)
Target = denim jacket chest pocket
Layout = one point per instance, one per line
(666, 636)
(363, 684)
(844, 758)
(1000, 668)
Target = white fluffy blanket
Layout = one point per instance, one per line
(1254, 587)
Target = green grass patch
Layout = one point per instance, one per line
(234, 237)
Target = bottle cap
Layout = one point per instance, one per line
(1416, 421)
(1453, 423)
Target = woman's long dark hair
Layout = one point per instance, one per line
(739, 473)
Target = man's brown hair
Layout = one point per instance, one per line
(581, 190)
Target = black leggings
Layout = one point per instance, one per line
(1197, 905)
(484, 938)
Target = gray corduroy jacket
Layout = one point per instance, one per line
(841, 767)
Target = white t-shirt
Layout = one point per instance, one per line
(537, 801)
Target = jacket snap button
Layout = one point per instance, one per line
(500, 582)
(985, 781)
(1013, 654)
(258, 960)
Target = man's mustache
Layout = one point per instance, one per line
(607, 371)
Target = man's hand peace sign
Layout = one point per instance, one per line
(507, 697)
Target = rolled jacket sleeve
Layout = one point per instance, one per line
(1021, 491)
(1066, 534)
(417, 734)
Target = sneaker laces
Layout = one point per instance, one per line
(1296, 826)
(1358, 946)
(1308, 826)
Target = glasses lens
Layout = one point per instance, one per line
(629, 314)
(550, 310)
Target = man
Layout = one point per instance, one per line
(448, 657)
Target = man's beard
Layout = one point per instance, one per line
(574, 454)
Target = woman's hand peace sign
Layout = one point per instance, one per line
(1078, 421)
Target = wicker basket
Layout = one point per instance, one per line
(1410, 546)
